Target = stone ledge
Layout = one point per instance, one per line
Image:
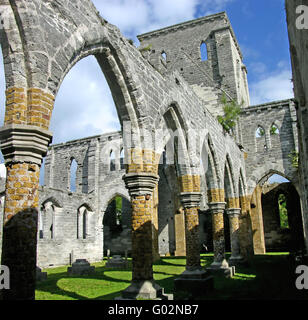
(24, 143)
(140, 183)
(190, 199)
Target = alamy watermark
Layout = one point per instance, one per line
(302, 20)
(4, 277)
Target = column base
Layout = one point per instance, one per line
(236, 261)
(144, 289)
(192, 283)
(221, 268)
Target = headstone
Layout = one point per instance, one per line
(117, 262)
(40, 276)
(81, 267)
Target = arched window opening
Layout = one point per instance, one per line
(41, 223)
(203, 51)
(260, 132)
(274, 130)
(84, 224)
(117, 225)
(283, 212)
(52, 228)
(122, 159)
(164, 157)
(164, 56)
(112, 161)
(73, 175)
(91, 89)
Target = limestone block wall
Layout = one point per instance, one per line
(298, 50)
(276, 237)
(269, 153)
(142, 94)
(222, 70)
(65, 244)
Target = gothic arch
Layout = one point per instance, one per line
(212, 174)
(229, 185)
(172, 125)
(60, 51)
(54, 201)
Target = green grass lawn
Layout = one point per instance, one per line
(269, 276)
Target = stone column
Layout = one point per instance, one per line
(140, 186)
(236, 258)
(217, 210)
(23, 147)
(191, 204)
(194, 279)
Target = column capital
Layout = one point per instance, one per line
(141, 183)
(190, 199)
(24, 143)
(217, 207)
(233, 211)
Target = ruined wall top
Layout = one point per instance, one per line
(206, 53)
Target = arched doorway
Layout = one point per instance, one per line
(276, 216)
(117, 226)
(283, 228)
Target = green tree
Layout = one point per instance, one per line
(294, 156)
(232, 111)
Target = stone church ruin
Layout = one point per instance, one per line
(128, 194)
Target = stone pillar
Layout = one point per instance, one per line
(179, 225)
(194, 279)
(236, 258)
(23, 147)
(257, 221)
(140, 186)
(191, 204)
(217, 211)
(245, 234)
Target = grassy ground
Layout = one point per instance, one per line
(268, 277)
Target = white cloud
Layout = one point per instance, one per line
(84, 105)
(271, 87)
(135, 17)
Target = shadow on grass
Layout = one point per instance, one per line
(61, 285)
(267, 277)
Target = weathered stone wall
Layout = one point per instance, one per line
(276, 237)
(182, 93)
(269, 153)
(223, 71)
(65, 244)
(298, 39)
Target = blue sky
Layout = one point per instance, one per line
(84, 98)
